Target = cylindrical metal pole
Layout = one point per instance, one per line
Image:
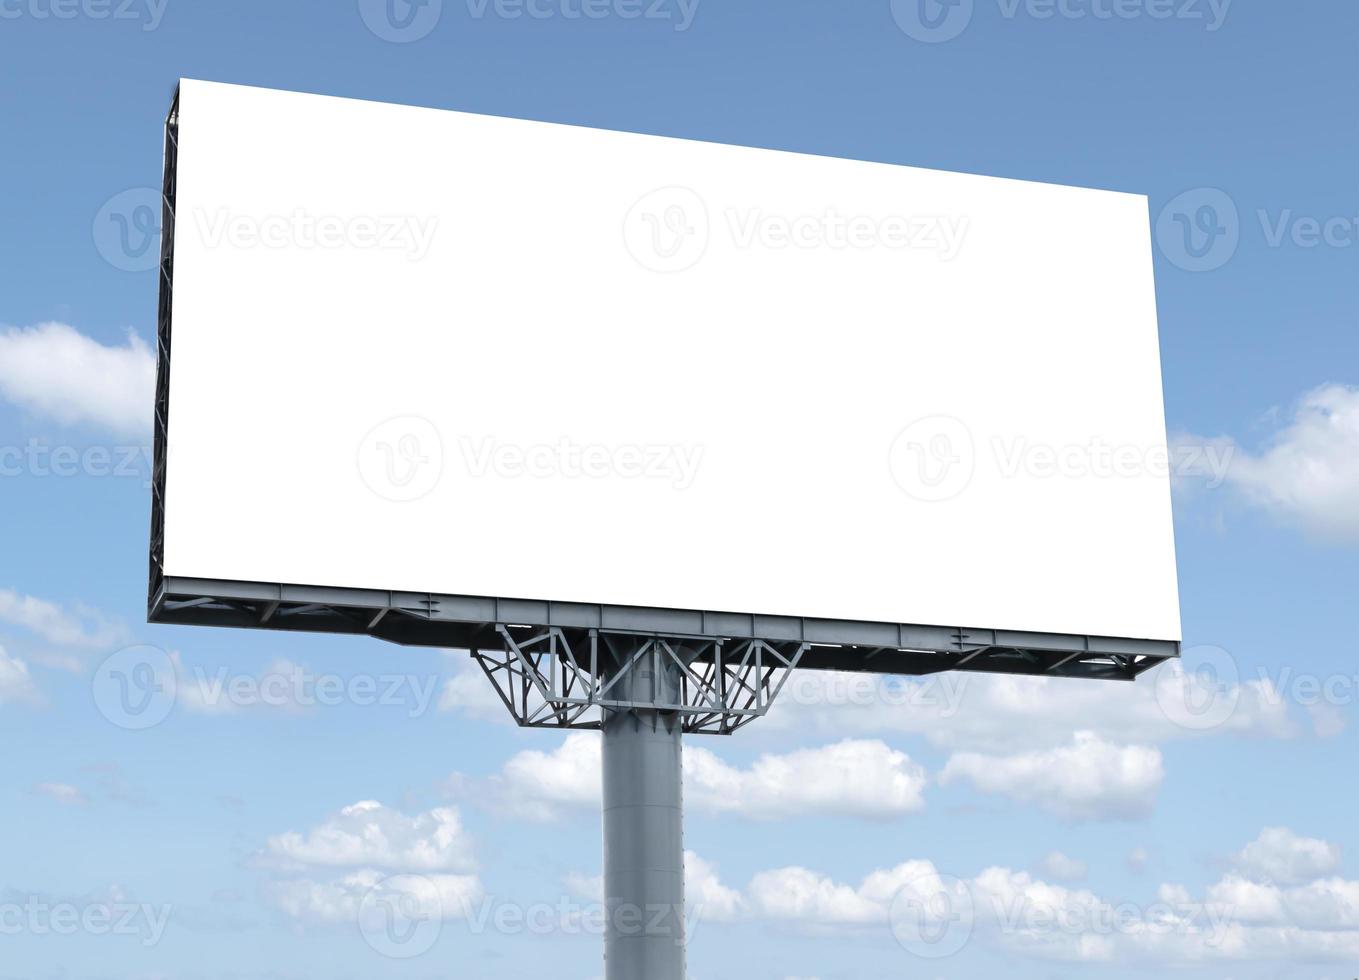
(643, 829)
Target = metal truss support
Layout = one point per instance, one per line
(643, 692)
(547, 679)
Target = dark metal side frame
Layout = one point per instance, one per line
(487, 625)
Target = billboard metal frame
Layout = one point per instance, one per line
(480, 623)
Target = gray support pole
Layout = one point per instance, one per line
(643, 829)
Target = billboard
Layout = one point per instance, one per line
(423, 352)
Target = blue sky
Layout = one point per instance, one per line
(237, 839)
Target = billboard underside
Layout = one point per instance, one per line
(435, 371)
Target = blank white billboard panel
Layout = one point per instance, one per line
(431, 351)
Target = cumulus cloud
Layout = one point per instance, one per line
(370, 835)
(1004, 713)
(54, 371)
(67, 626)
(1278, 855)
(1057, 865)
(470, 693)
(348, 899)
(1016, 913)
(799, 895)
(542, 786)
(705, 894)
(852, 778)
(16, 684)
(423, 861)
(1309, 472)
(988, 712)
(1088, 779)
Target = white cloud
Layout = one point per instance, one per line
(470, 692)
(852, 778)
(1248, 901)
(62, 793)
(370, 835)
(982, 712)
(1006, 713)
(76, 626)
(800, 895)
(1281, 856)
(424, 860)
(1309, 474)
(540, 786)
(53, 370)
(1089, 779)
(343, 901)
(705, 895)
(1057, 865)
(16, 685)
(1236, 921)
